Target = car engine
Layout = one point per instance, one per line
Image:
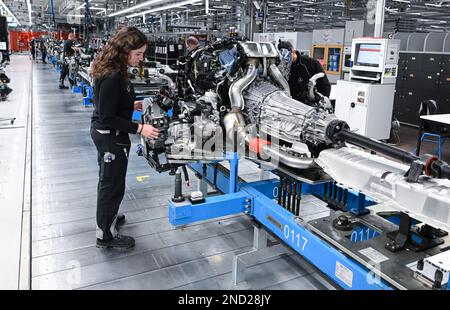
(236, 99)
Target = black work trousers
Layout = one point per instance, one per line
(64, 71)
(44, 56)
(112, 159)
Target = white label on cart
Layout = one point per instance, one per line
(344, 274)
(361, 96)
(374, 255)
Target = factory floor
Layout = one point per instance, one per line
(51, 171)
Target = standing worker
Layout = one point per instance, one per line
(187, 61)
(5, 54)
(68, 51)
(43, 49)
(192, 44)
(20, 45)
(111, 123)
(302, 68)
(33, 48)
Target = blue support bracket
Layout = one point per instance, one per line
(87, 100)
(215, 206)
(76, 89)
(343, 270)
(223, 182)
(268, 188)
(213, 175)
(233, 158)
(359, 207)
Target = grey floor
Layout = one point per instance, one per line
(64, 176)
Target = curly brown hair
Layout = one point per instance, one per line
(114, 56)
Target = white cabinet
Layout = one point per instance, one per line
(367, 108)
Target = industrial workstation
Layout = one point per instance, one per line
(225, 145)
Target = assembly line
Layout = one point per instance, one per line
(254, 162)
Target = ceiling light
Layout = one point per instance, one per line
(134, 7)
(165, 7)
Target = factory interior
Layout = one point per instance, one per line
(251, 146)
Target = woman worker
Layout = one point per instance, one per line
(110, 126)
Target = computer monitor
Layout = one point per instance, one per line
(375, 60)
(368, 55)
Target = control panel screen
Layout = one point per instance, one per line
(368, 55)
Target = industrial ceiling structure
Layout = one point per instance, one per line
(282, 15)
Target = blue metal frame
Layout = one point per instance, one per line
(53, 60)
(225, 183)
(215, 206)
(76, 89)
(258, 200)
(341, 269)
(439, 141)
(88, 99)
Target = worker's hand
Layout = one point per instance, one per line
(138, 106)
(150, 132)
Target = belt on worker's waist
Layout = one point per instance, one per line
(108, 131)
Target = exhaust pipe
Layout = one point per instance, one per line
(236, 89)
(234, 121)
(275, 74)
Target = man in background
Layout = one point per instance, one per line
(301, 69)
(33, 48)
(43, 49)
(68, 51)
(192, 44)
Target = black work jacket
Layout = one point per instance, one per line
(301, 72)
